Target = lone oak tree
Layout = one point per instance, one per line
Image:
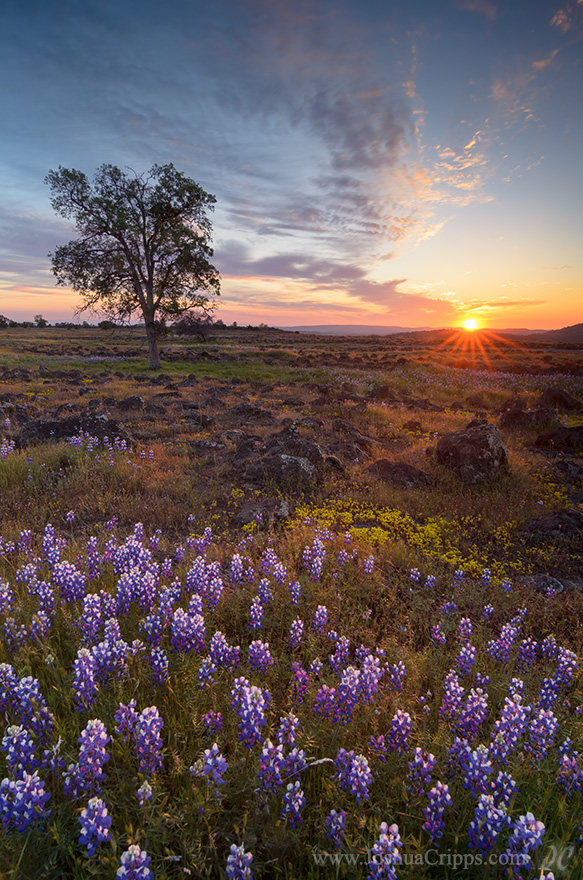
(143, 246)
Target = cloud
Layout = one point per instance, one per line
(487, 9)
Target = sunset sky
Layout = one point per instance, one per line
(374, 162)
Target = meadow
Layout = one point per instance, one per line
(210, 667)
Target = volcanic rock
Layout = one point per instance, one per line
(476, 454)
(399, 473)
(561, 440)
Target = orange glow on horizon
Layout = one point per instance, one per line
(471, 324)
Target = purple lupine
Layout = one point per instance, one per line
(488, 822)
(487, 611)
(95, 825)
(368, 565)
(288, 726)
(272, 764)
(22, 802)
(222, 653)
(336, 825)
(70, 581)
(158, 660)
(567, 666)
(472, 714)
(453, 694)
(236, 569)
(378, 747)
(570, 775)
(238, 863)
(320, 619)
(126, 719)
(465, 659)
(211, 766)
(250, 703)
(300, 682)
(19, 748)
(527, 651)
(353, 774)
(396, 675)
(399, 730)
(264, 593)
(147, 741)
(144, 793)
(87, 775)
(188, 632)
(85, 686)
(509, 728)
(340, 657)
(437, 634)
(499, 649)
(294, 802)
(316, 667)
(213, 722)
(256, 614)
(464, 630)
(206, 674)
(527, 835)
(260, 657)
(503, 788)
(476, 767)
(295, 762)
(295, 634)
(134, 865)
(439, 799)
(430, 582)
(370, 675)
(91, 619)
(549, 648)
(543, 726)
(385, 854)
(420, 770)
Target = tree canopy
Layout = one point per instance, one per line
(144, 244)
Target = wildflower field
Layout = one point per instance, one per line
(368, 686)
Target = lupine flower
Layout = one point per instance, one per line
(368, 565)
(288, 726)
(396, 675)
(437, 634)
(378, 747)
(473, 713)
(126, 719)
(487, 611)
(476, 767)
(466, 659)
(567, 666)
(256, 614)
(250, 703)
(439, 799)
(264, 591)
(206, 673)
(293, 804)
(19, 748)
(188, 632)
(260, 657)
(336, 825)
(464, 630)
(320, 618)
(159, 663)
(134, 865)
(87, 775)
(300, 682)
(451, 704)
(385, 853)
(316, 667)
(489, 820)
(398, 735)
(542, 729)
(238, 864)
(353, 774)
(22, 802)
(144, 793)
(213, 722)
(420, 770)
(527, 651)
(272, 764)
(508, 730)
(527, 835)
(295, 634)
(415, 575)
(222, 653)
(147, 741)
(95, 825)
(570, 775)
(212, 766)
(295, 591)
(85, 686)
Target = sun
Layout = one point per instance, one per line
(471, 324)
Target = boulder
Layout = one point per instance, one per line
(558, 398)
(95, 424)
(284, 471)
(135, 402)
(561, 440)
(566, 523)
(476, 454)
(539, 417)
(399, 473)
(262, 512)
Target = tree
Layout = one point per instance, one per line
(40, 321)
(144, 245)
(195, 324)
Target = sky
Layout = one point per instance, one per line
(374, 162)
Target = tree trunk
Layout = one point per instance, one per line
(153, 345)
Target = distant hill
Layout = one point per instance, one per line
(573, 334)
(353, 329)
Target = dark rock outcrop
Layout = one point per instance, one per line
(561, 440)
(399, 473)
(476, 454)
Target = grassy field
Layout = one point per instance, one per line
(200, 665)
